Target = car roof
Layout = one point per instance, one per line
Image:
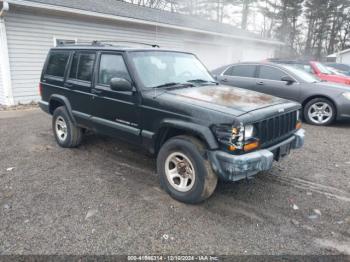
(257, 63)
(221, 69)
(118, 48)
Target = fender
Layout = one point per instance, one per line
(202, 131)
(63, 100)
(313, 96)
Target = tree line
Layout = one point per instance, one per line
(309, 28)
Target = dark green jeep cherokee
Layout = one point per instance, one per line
(167, 102)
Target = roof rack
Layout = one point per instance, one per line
(106, 42)
(102, 42)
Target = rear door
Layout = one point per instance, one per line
(79, 82)
(269, 82)
(116, 113)
(243, 76)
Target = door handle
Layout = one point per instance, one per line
(224, 80)
(260, 83)
(96, 92)
(69, 85)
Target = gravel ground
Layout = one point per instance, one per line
(104, 198)
(18, 107)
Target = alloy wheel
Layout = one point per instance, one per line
(320, 112)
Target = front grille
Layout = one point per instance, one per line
(275, 129)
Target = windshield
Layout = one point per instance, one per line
(323, 69)
(335, 71)
(303, 75)
(161, 68)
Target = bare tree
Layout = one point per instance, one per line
(309, 27)
(170, 5)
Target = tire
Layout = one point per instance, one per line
(66, 133)
(188, 154)
(320, 112)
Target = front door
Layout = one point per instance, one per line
(269, 82)
(115, 113)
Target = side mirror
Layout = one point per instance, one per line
(288, 79)
(120, 84)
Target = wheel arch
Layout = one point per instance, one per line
(308, 99)
(171, 128)
(56, 101)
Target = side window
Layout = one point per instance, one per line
(309, 69)
(112, 66)
(229, 72)
(271, 73)
(242, 71)
(82, 66)
(74, 66)
(57, 64)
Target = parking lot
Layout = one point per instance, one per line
(104, 198)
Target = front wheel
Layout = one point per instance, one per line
(184, 172)
(320, 111)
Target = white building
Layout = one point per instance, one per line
(342, 57)
(29, 28)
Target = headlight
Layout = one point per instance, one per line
(231, 137)
(347, 95)
(237, 138)
(249, 132)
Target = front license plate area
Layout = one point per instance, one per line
(282, 151)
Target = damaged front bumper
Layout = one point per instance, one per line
(234, 168)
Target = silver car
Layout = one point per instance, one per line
(323, 102)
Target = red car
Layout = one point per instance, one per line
(316, 68)
(323, 73)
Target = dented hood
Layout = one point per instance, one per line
(223, 97)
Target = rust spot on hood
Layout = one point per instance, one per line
(228, 96)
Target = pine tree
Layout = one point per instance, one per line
(284, 16)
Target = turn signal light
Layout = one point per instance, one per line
(232, 148)
(251, 146)
(299, 125)
(40, 89)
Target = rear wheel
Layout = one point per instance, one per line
(320, 111)
(184, 172)
(66, 133)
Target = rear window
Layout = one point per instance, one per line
(82, 66)
(57, 64)
(241, 70)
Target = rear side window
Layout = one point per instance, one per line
(112, 66)
(57, 64)
(241, 70)
(271, 73)
(82, 66)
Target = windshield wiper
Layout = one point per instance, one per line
(173, 84)
(201, 81)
